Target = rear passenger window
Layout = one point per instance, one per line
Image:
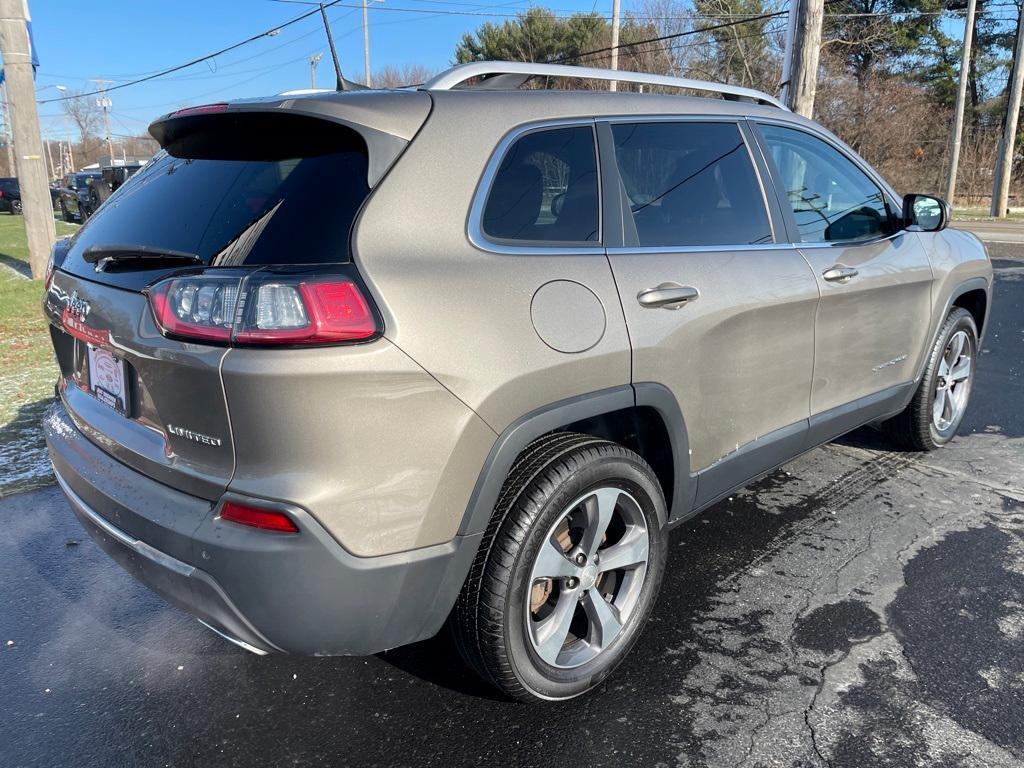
(690, 184)
(545, 189)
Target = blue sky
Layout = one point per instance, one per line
(77, 41)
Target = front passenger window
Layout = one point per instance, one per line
(832, 199)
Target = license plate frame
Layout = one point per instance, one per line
(108, 380)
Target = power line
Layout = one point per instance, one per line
(266, 33)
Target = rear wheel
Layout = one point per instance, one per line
(568, 570)
(934, 415)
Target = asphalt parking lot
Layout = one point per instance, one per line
(859, 607)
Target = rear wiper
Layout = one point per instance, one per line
(127, 257)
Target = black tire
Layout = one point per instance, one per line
(490, 620)
(16, 208)
(915, 427)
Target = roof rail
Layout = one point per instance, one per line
(519, 72)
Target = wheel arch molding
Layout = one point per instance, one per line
(647, 412)
(960, 290)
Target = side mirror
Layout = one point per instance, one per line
(924, 213)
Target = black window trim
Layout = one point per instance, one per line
(773, 212)
(474, 225)
(889, 196)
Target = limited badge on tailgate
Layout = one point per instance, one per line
(107, 379)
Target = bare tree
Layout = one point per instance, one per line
(398, 77)
(84, 112)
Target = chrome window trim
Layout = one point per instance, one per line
(474, 225)
(684, 249)
(482, 242)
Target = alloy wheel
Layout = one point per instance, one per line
(953, 382)
(587, 577)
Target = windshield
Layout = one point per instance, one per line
(235, 212)
(81, 179)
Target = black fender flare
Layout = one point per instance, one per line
(523, 431)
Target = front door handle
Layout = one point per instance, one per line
(839, 274)
(667, 296)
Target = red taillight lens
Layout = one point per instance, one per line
(197, 307)
(254, 517)
(266, 309)
(307, 313)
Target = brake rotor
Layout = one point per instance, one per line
(542, 588)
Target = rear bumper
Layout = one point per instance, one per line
(301, 593)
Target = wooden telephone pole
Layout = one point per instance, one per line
(803, 46)
(28, 143)
(961, 99)
(1004, 166)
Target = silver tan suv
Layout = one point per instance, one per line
(339, 369)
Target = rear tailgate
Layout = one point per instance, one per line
(163, 411)
(235, 191)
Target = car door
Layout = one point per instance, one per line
(875, 278)
(720, 310)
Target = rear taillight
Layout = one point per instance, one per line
(263, 309)
(256, 517)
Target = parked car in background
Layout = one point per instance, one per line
(75, 201)
(10, 195)
(342, 368)
(111, 179)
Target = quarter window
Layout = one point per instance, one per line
(546, 189)
(832, 199)
(690, 184)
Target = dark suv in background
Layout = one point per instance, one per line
(75, 195)
(10, 195)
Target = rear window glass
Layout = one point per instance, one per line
(546, 189)
(233, 212)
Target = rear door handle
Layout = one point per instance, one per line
(667, 296)
(839, 274)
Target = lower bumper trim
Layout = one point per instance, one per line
(139, 547)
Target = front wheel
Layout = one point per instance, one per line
(567, 572)
(934, 415)
(16, 208)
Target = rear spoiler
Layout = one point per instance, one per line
(386, 121)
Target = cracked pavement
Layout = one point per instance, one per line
(859, 607)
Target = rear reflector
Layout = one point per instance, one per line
(264, 310)
(254, 517)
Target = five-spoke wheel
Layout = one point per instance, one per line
(587, 577)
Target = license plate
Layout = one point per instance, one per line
(107, 379)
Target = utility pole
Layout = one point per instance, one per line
(803, 48)
(49, 156)
(961, 99)
(315, 59)
(21, 92)
(105, 104)
(614, 85)
(366, 48)
(1004, 168)
(8, 141)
